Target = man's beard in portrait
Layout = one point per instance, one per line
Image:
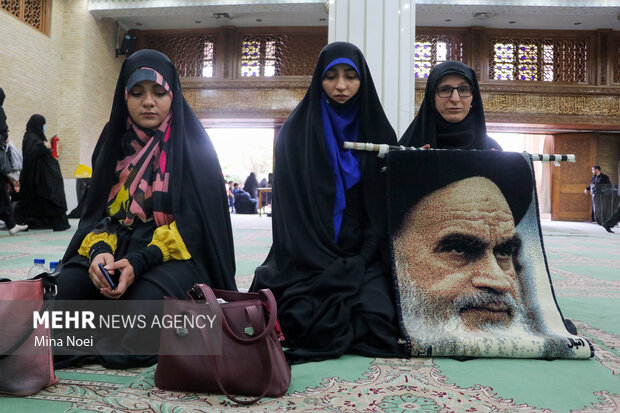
(436, 327)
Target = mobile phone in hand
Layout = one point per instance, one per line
(107, 276)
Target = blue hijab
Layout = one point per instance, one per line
(341, 123)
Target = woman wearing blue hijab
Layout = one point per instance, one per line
(329, 266)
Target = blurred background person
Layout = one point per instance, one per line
(231, 196)
(42, 203)
(6, 211)
(244, 203)
(598, 178)
(251, 185)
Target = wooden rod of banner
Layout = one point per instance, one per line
(383, 149)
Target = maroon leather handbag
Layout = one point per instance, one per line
(251, 362)
(26, 364)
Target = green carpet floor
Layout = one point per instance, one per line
(584, 262)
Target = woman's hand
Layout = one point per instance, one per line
(127, 278)
(47, 144)
(94, 272)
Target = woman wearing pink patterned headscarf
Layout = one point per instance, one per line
(156, 215)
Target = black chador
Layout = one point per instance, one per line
(329, 265)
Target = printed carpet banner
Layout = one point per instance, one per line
(469, 260)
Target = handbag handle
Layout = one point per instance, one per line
(216, 373)
(48, 295)
(265, 294)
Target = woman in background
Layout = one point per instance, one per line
(42, 203)
(251, 185)
(6, 210)
(451, 115)
(329, 266)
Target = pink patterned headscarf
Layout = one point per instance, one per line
(142, 172)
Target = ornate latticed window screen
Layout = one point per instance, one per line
(287, 54)
(300, 52)
(208, 60)
(192, 54)
(261, 55)
(270, 57)
(558, 60)
(548, 63)
(430, 50)
(504, 58)
(12, 6)
(32, 12)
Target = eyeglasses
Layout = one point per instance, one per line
(446, 91)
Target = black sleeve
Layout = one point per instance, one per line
(145, 258)
(99, 248)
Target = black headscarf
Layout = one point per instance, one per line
(199, 201)
(430, 127)
(516, 186)
(35, 126)
(33, 147)
(251, 185)
(305, 261)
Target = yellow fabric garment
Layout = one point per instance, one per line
(168, 239)
(93, 238)
(121, 202)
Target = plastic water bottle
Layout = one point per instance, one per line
(38, 268)
(53, 265)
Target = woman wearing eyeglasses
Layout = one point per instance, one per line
(451, 115)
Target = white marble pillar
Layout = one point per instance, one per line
(385, 31)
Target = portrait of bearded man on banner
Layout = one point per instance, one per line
(470, 281)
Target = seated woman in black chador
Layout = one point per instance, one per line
(156, 214)
(251, 185)
(244, 203)
(451, 115)
(42, 203)
(329, 266)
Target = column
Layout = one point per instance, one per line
(385, 32)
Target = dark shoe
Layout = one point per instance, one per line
(608, 229)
